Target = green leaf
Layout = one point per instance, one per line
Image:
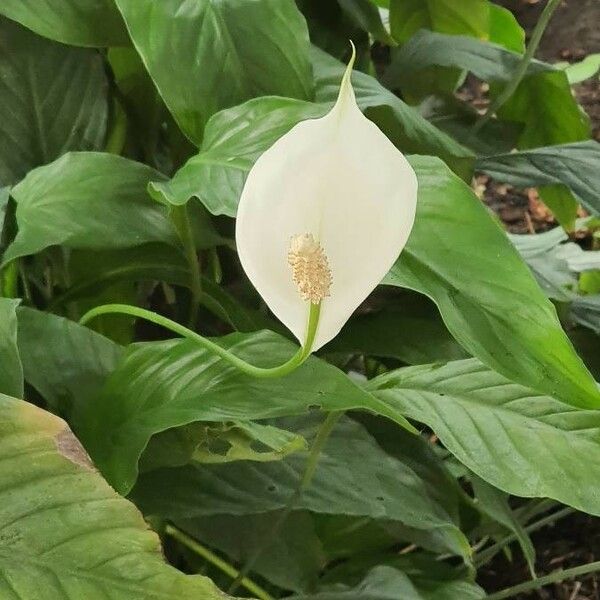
(215, 443)
(53, 99)
(246, 49)
(11, 369)
(65, 362)
(234, 139)
(88, 200)
(488, 61)
(488, 300)
(469, 17)
(95, 23)
(580, 71)
(158, 385)
(574, 165)
(518, 440)
(365, 483)
(505, 29)
(102, 547)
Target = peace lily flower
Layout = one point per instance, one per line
(323, 216)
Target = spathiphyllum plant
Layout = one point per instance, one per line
(285, 316)
(323, 215)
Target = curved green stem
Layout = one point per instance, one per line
(211, 557)
(181, 219)
(521, 70)
(547, 579)
(242, 365)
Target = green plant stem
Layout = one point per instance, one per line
(510, 88)
(312, 461)
(486, 555)
(547, 579)
(181, 219)
(211, 557)
(287, 367)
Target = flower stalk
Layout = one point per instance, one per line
(260, 372)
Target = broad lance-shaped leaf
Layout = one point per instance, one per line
(52, 100)
(341, 220)
(158, 385)
(65, 532)
(489, 300)
(520, 441)
(233, 140)
(220, 53)
(365, 483)
(88, 200)
(94, 23)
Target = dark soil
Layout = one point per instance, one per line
(573, 33)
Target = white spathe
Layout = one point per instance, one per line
(341, 180)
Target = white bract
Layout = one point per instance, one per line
(323, 216)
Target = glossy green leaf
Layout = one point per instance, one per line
(221, 53)
(234, 139)
(580, 71)
(65, 362)
(77, 22)
(52, 100)
(102, 548)
(488, 61)
(488, 299)
(365, 482)
(88, 200)
(158, 387)
(11, 369)
(469, 17)
(520, 441)
(574, 165)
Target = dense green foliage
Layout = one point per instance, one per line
(467, 380)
